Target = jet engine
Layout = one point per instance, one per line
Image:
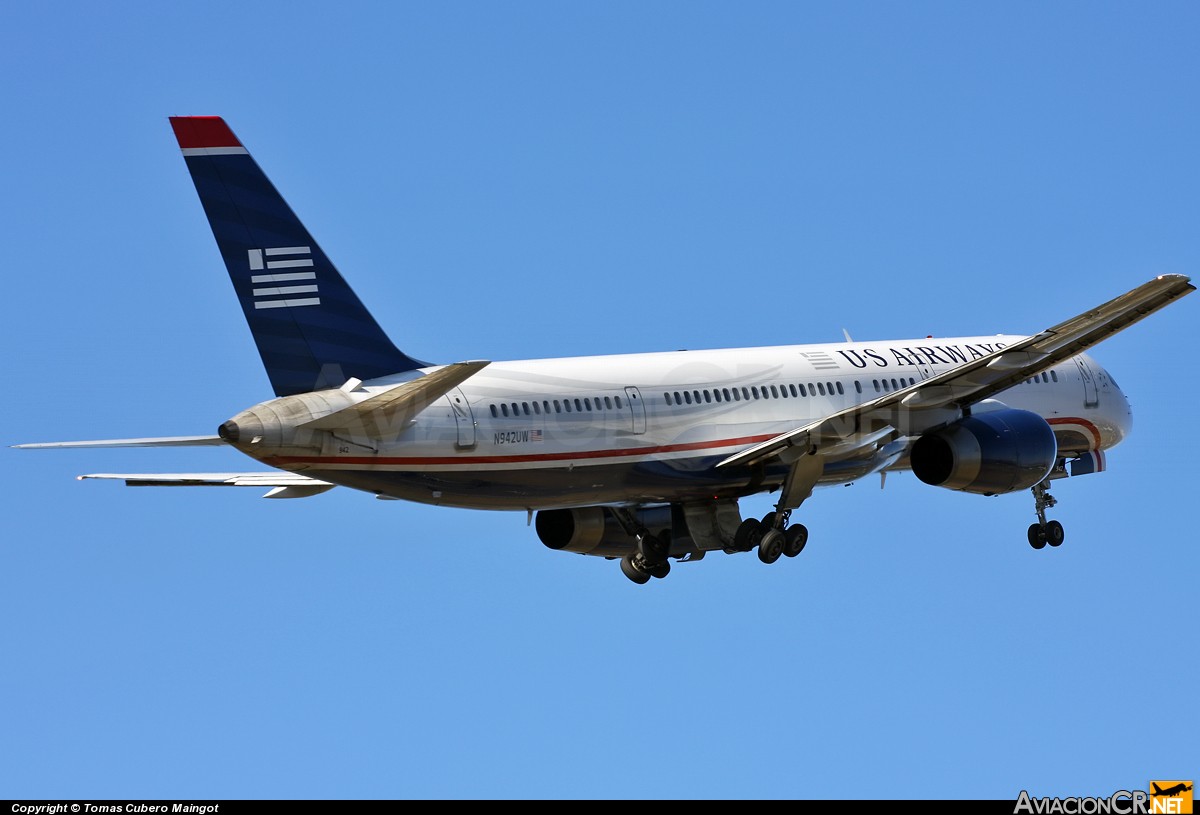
(989, 454)
(595, 530)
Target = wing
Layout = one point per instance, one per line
(282, 484)
(162, 441)
(967, 384)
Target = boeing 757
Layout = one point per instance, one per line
(640, 458)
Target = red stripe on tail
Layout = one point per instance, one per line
(203, 131)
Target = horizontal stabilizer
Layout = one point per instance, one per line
(162, 441)
(281, 484)
(393, 408)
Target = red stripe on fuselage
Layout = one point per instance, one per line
(203, 131)
(580, 455)
(1084, 423)
(516, 459)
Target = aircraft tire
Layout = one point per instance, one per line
(660, 570)
(771, 546)
(794, 539)
(633, 572)
(1037, 536)
(1055, 534)
(748, 534)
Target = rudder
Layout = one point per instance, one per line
(311, 329)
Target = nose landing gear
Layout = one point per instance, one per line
(1044, 532)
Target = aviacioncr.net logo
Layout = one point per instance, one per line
(1121, 802)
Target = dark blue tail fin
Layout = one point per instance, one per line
(311, 329)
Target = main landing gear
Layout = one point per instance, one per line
(650, 558)
(771, 535)
(1044, 532)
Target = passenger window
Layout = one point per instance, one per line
(717, 394)
(1054, 375)
(587, 404)
(495, 415)
(754, 390)
(803, 391)
(578, 407)
(696, 396)
(504, 410)
(525, 408)
(608, 403)
(516, 409)
(678, 398)
(746, 394)
(557, 406)
(707, 397)
(774, 392)
(726, 392)
(567, 405)
(839, 389)
(792, 388)
(618, 398)
(667, 397)
(537, 409)
(821, 388)
(687, 397)
(895, 385)
(737, 397)
(857, 386)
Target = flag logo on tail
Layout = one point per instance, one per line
(283, 289)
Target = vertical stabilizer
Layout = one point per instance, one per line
(311, 329)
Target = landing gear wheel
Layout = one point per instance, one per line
(660, 570)
(1054, 533)
(768, 521)
(633, 572)
(794, 539)
(771, 546)
(1037, 536)
(748, 534)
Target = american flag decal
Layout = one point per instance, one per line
(820, 360)
(535, 435)
(283, 257)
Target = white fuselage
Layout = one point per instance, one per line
(638, 428)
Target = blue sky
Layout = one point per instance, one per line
(525, 179)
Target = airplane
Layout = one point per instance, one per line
(1170, 791)
(640, 458)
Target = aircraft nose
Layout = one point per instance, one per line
(1122, 418)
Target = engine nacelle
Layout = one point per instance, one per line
(594, 530)
(989, 454)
